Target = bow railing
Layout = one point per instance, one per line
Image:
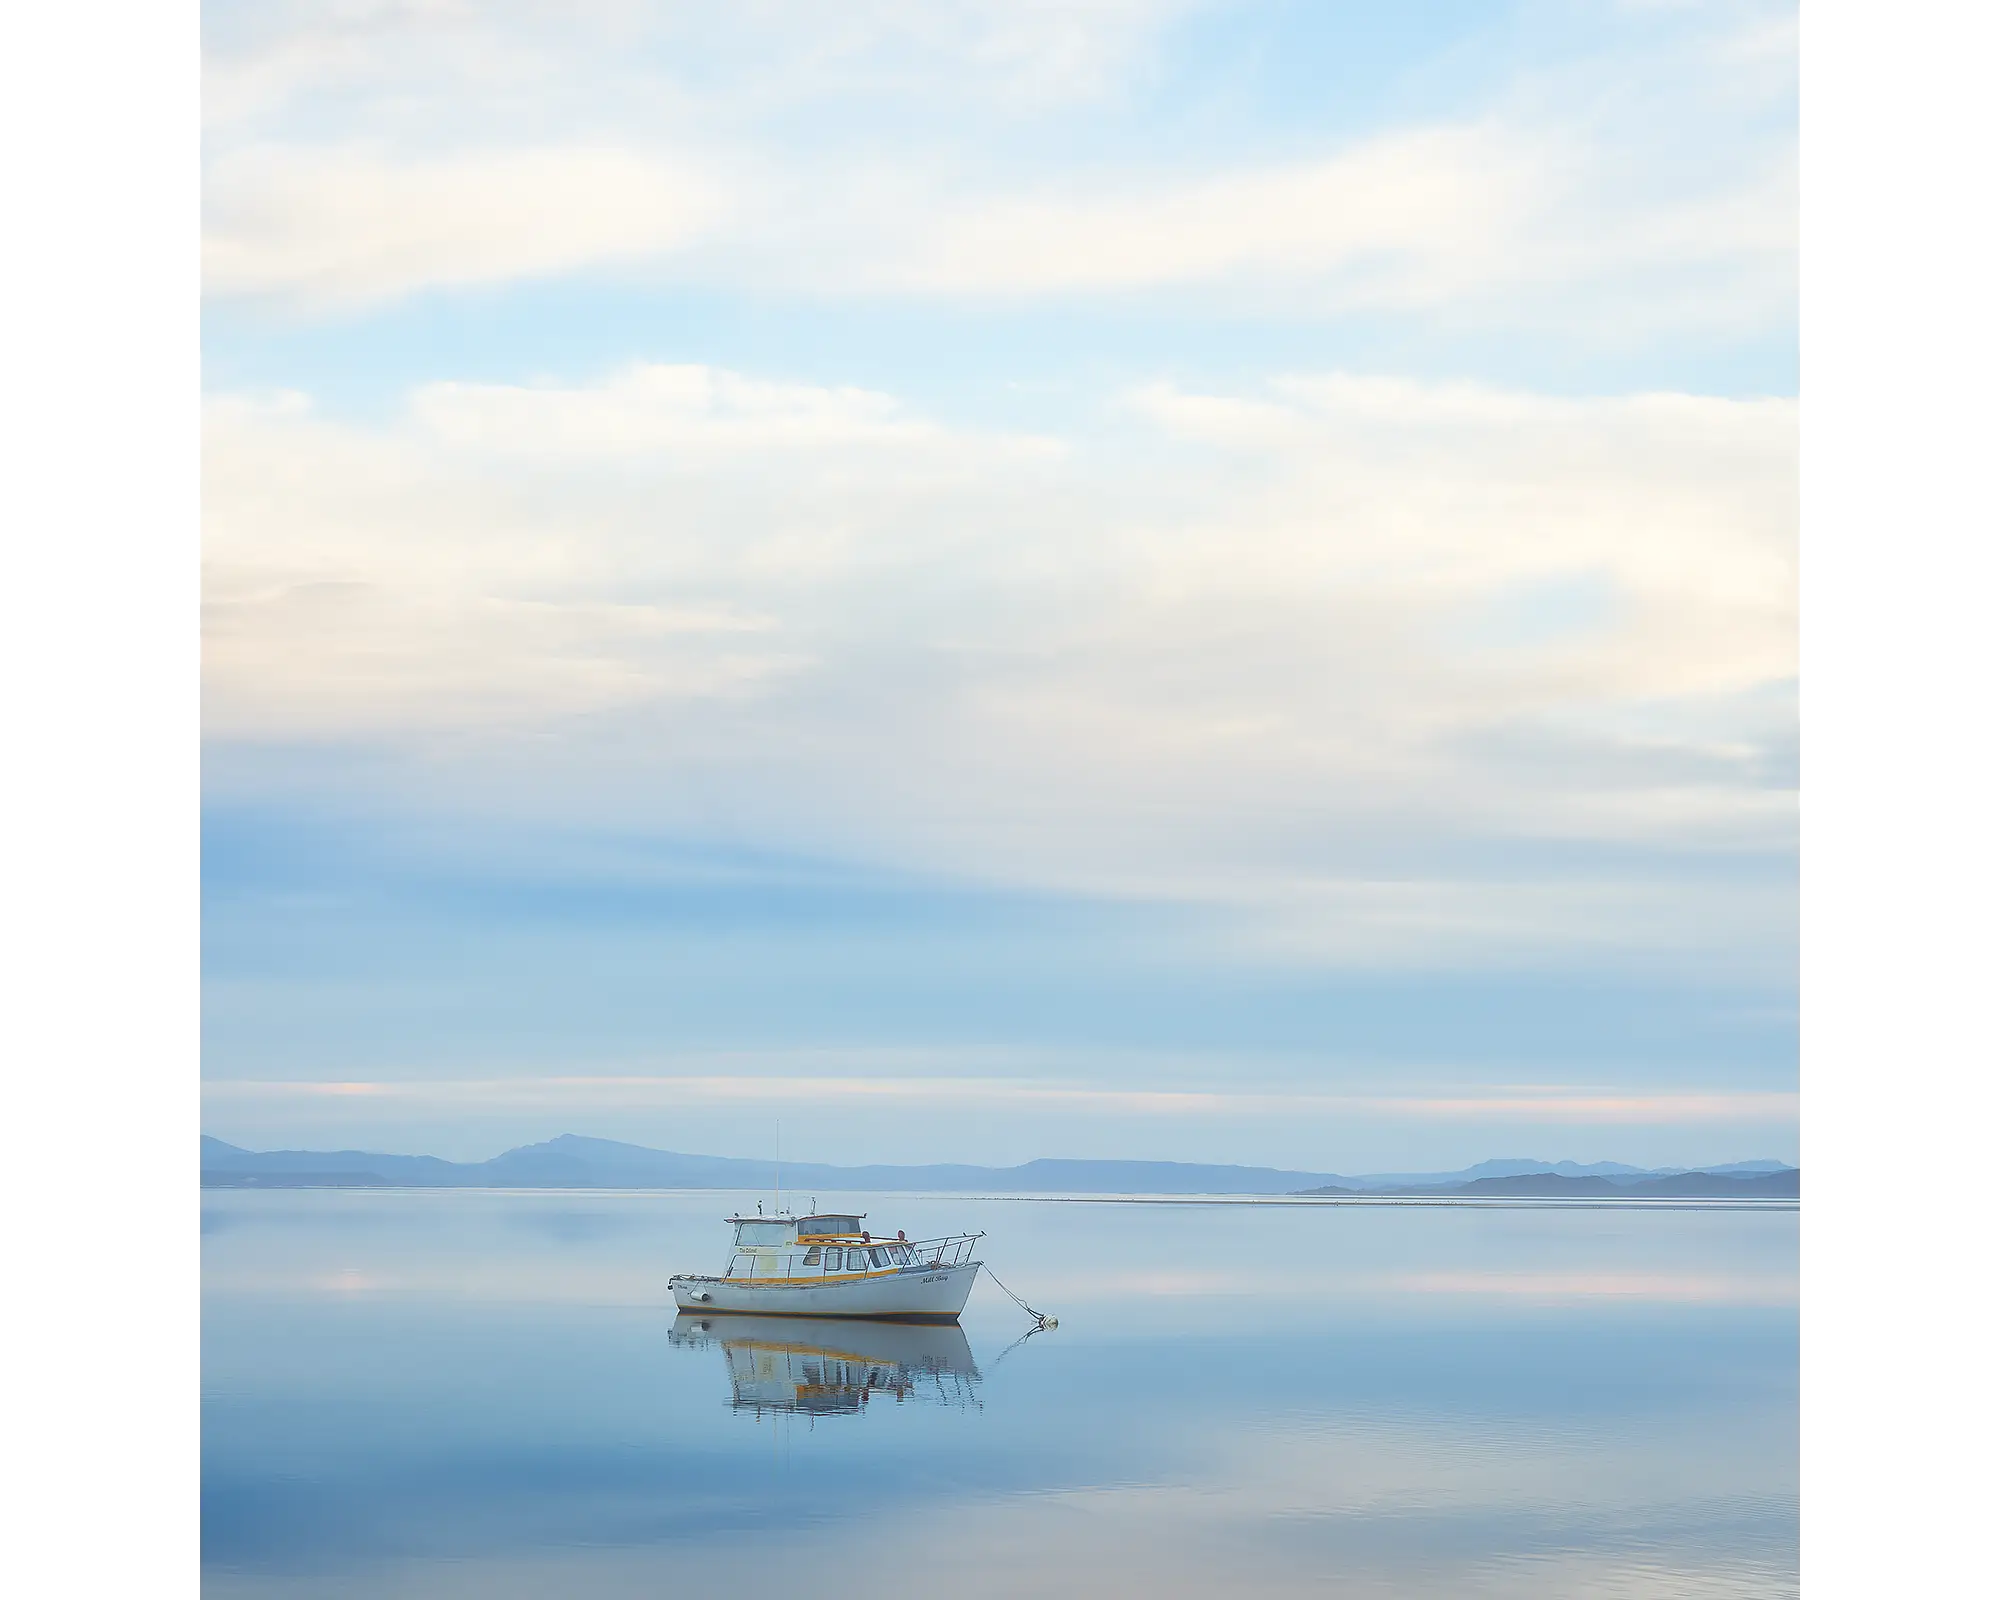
(947, 1250)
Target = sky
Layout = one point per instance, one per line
(974, 581)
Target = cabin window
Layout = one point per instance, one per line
(833, 1259)
(857, 1261)
(900, 1254)
(879, 1256)
(739, 1267)
(812, 1256)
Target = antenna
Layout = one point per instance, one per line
(777, 1164)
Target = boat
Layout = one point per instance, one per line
(833, 1366)
(830, 1265)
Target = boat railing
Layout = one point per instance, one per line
(947, 1250)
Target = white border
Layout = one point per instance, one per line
(1901, 610)
(99, 122)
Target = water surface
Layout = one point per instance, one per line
(445, 1393)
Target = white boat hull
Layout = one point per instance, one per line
(917, 1294)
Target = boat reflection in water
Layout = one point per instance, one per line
(833, 1367)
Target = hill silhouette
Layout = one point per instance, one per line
(573, 1161)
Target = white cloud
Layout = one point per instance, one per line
(1488, 221)
(675, 411)
(357, 154)
(1512, 486)
(1484, 219)
(1228, 646)
(1583, 1105)
(1406, 218)
(718, 63)
(473, 567)
(336, 227)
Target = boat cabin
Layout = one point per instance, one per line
(825, 1245)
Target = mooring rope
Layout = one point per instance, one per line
(1042, 1320)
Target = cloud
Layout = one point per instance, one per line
(583, 1094)
(1481, 219)
(1484, 221)
(995, 152)
(676, 410)
(1266, 648)
(340, 227)
(1311, 671)
(1401, 219)
(471, 568)
(1476, 485)
(264, 62)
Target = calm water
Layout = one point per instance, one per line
(486, 1394)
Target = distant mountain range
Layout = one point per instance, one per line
(574, 1162)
